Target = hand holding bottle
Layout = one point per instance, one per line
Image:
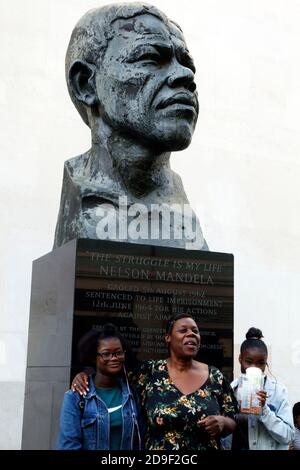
(262, 394)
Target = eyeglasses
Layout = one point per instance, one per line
(106, 356)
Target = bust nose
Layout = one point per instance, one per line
(182, 76)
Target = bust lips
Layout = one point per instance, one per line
(179, 98)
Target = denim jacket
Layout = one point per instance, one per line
(273, 429)
(89, 428)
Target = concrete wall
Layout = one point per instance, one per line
(241, 172)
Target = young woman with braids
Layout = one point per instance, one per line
(273, 429)
(188, 405)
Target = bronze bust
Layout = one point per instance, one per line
(131, 77)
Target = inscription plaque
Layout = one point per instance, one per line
(139, 287)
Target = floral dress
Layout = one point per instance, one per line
(172, 417)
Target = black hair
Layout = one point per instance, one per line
(296, 409)
(174, 318)
(253, 340)
(88, 344)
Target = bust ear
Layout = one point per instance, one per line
(81, 82)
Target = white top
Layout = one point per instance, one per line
(273, 429)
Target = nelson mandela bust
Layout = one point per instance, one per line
(131, 78)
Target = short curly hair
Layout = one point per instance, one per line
(89, 343)
(174, 318)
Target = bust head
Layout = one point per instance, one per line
(128, 66)
(131, 77)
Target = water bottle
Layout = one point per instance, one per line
(249, 384)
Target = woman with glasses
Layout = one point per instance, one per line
(107, 417)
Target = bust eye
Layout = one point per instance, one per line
(150, 57)
(156, 55)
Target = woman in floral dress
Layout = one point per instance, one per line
(188, 404)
